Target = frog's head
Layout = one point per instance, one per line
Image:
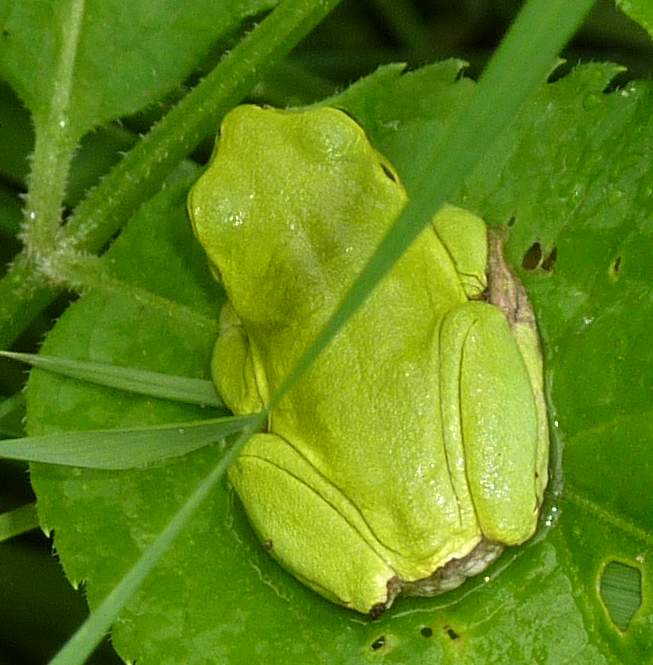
(269, 209)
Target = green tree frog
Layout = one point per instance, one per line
(416, 446)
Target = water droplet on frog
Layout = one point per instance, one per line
(237, 218)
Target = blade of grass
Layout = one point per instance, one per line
(89, 635)
(130, 379)
(18, 521)
(24, 292)
(123, 448)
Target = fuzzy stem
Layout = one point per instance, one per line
(54, 145)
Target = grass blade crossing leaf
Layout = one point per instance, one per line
(123, 448)
(154, 384)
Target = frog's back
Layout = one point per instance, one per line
(288, 236)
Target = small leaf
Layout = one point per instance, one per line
(130, 379)
(122, 448)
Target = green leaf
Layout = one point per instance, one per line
(553, 173)
(126, 56)
(129, 379)
(122, 448)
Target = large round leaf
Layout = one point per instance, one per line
(573, 181)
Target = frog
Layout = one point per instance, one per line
(415, 448)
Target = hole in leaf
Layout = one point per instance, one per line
(512, 221)
(615, 268)
(426, 632)
(621, 592)
(532, 257)
(452, 634)
(548, 262)
(378, 643)
(388, 172)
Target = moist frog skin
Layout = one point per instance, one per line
(416, 446)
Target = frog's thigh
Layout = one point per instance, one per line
(232, 366)
(296, 512)
(498, 420)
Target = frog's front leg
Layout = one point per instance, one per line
(489, 413)
(233, 367)
(309, 526)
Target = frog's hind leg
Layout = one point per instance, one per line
(490, 405)
(309, 527)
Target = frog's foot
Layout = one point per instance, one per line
(456, 571)
(310, 527)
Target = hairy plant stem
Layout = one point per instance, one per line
(139, 175)
(55, 141)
